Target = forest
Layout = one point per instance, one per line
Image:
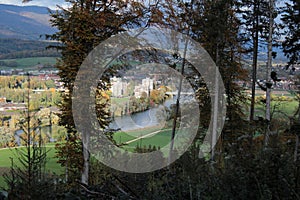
(17, 48)
(246, 134)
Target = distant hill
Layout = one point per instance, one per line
(31, 22)
(24, 22)
(263, 55)
(17, 48)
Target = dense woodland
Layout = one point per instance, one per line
(17, 48)
(255, 158)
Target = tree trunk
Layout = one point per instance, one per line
(269, 66)
(86, 159)
(177, 103)
(215, 106)
(254, 61)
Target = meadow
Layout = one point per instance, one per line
(28, 63)
(279, 109)
(5, 161)
(130, 139)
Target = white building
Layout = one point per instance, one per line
(148, 83)
(118, 87)
(146, 86)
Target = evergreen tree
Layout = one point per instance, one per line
(215, 25)
(254, 25)
(291, 19)
(29, 180)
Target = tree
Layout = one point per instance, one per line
(29, 180)
(6, 136)
(291, 19)
(215, 25)
(81, 27)
(253, 15)
(269, 66)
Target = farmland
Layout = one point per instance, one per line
(27, 63)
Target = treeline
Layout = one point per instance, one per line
(14, 89)
(16, 48)
(15, 82)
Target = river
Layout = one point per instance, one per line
(155, 116)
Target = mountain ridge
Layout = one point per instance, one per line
(32, 23)
(25, 22)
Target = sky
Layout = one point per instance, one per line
(46, 3)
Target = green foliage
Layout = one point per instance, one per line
(6, 137)
(291, 44)
(260, 99)
(239, 173)
(69, 155)
(14, 88)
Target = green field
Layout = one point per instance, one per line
(278, 109)
(159, 139)
(5, 162)
(30, 63)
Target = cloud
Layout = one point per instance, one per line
(46, 3)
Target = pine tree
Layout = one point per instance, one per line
(217, 28)
(291, 44)
(215, 25)
(253, 14)
(29, 180)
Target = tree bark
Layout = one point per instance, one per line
(269, 66)
(86, 159)
(254, 61)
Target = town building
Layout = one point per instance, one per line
(145, 87)
(118, 87)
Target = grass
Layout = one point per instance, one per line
(280, 109)
(121, 137)
(5, 162)
(119, 100)
(160, 139)
(30, 63)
